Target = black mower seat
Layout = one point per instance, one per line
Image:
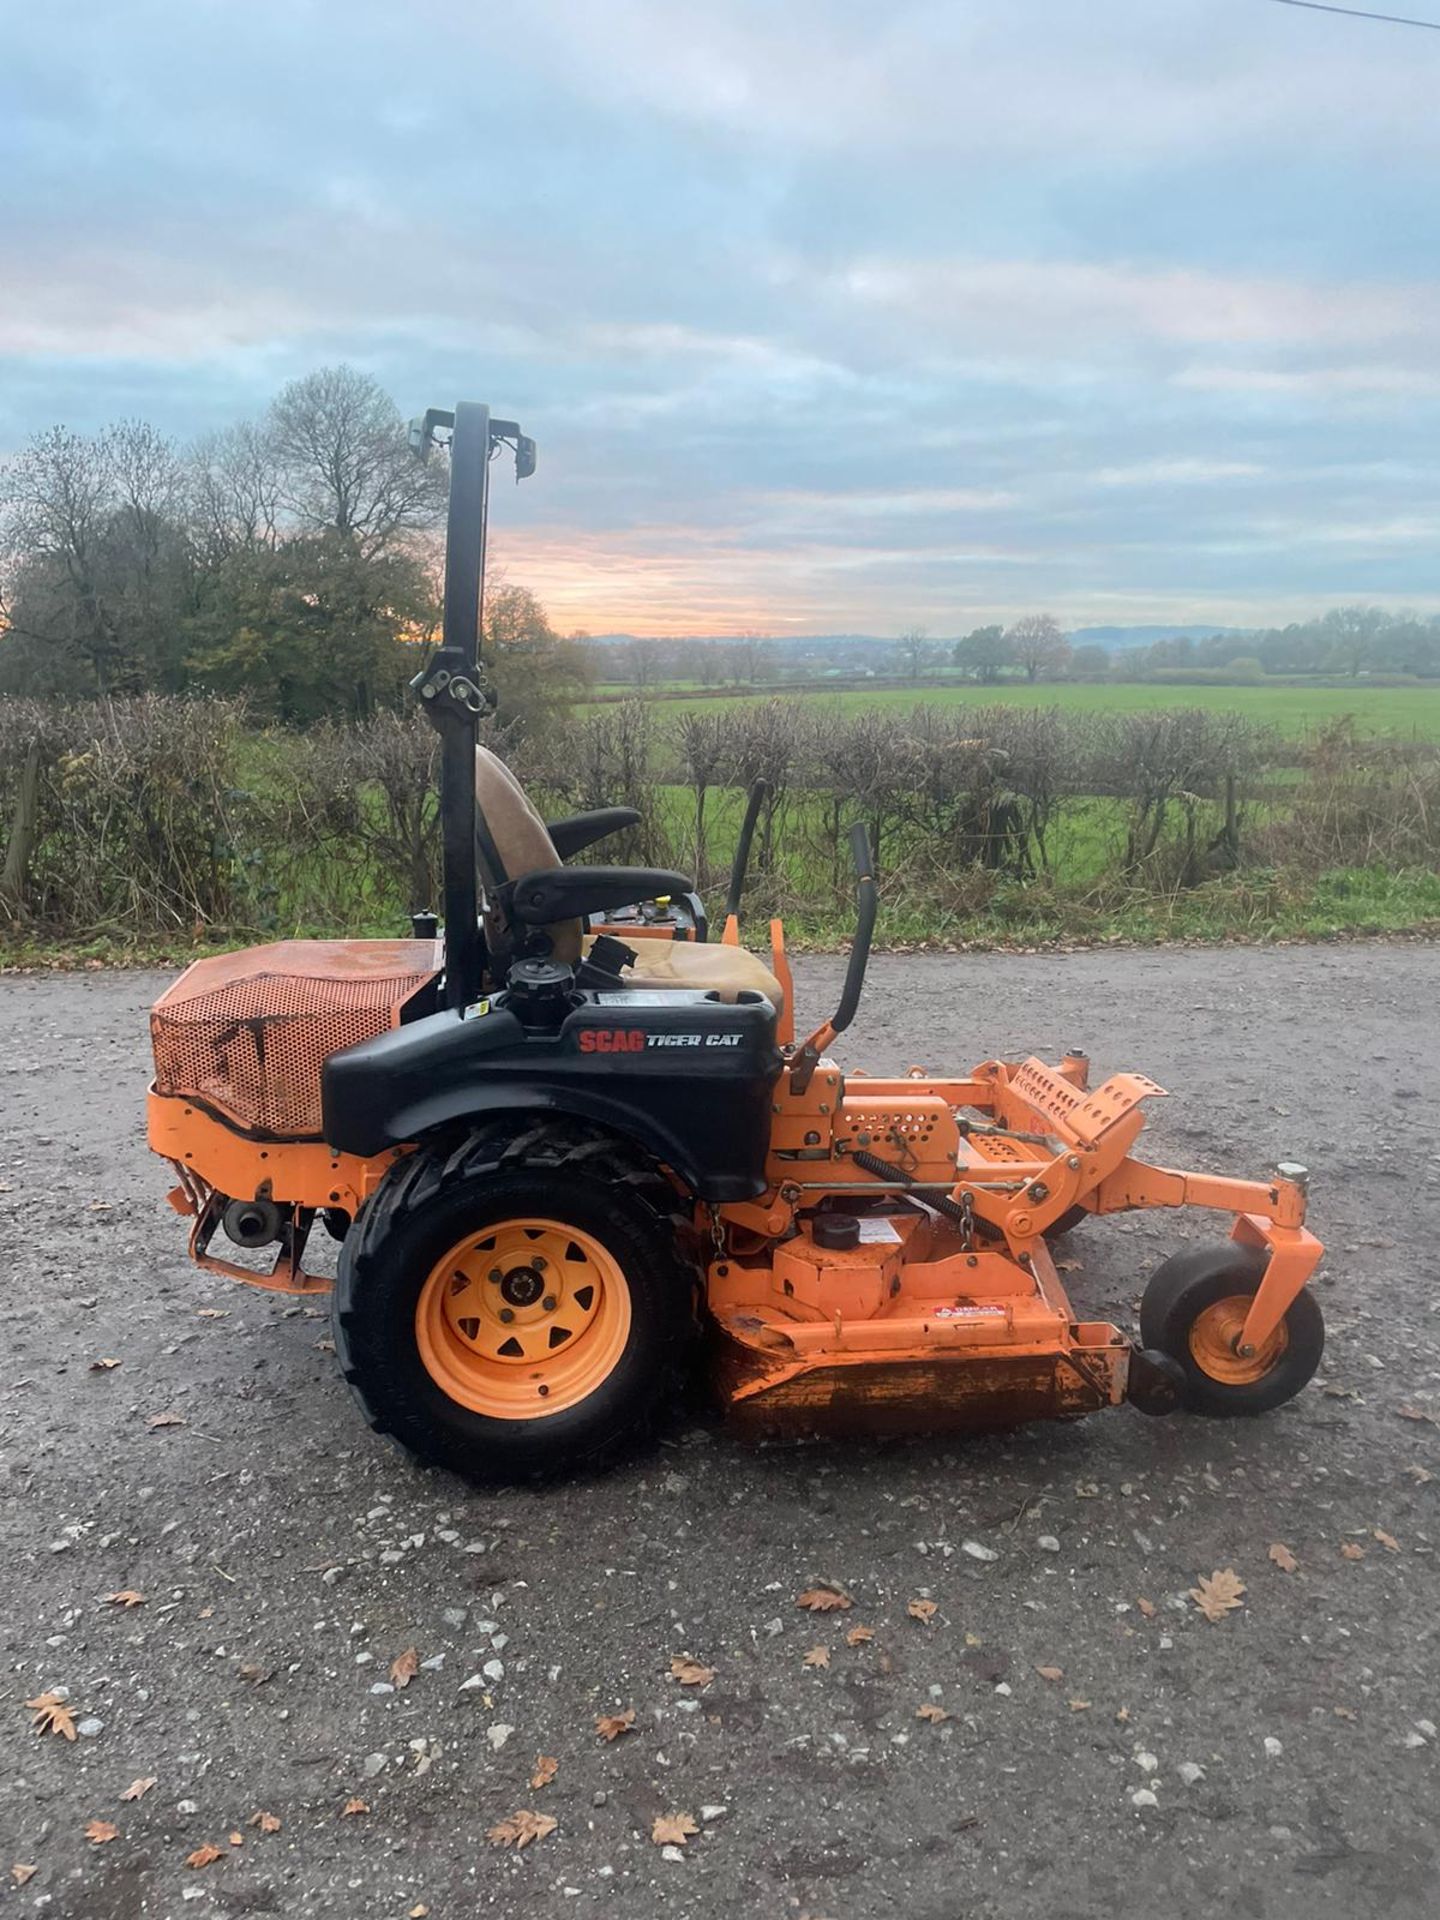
(520, 850)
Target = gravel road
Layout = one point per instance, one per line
(1100, 1749)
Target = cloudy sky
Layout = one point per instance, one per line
(827, 314)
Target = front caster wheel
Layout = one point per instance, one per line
(518, 1308)
(1193, 1310)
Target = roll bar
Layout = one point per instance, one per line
(452, 688)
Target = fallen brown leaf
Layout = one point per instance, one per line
(672, 1829)
(1349, 1551)
(521, 1828)
(205, 1856)
(1284, 1558)
(255, 1674)
(138, 1789)
(1420, 1413)
(610, 1726)
(125, 1597)
(825, 1600)
(353, 1806)
(1051, 1673)
(1147, 1607)
(236, 1839)
(690, 1673)
(1422, 1476)
(97, 1832)
(931, 1712)
(1387, 1540)
(22, 1871)
(418, 1913)
(403, 1669)
(817, 1657)
(1080, 1706)
(858, 1636)
(51, 1715)
(1218, 1593)
(922, 1609)
(212, 1313)
(167, 1419)
(546, 1768)
(266, 1822)
(103, 1365)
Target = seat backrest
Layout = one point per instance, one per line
(522, 844)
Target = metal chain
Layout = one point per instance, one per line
(717, 1232)
(967, 1224)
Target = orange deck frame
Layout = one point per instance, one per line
(971, 1314)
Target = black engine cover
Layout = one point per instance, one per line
(686, 1076)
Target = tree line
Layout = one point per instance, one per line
(1344, 643)
(290, 558)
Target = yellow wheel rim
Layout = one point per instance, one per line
(1215, 1341)
(523, 1319)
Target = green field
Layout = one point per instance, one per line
(1292, 710)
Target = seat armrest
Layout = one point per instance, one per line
(580, 830)
(569, 893)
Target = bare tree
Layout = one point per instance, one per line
(703, 741)
(345, 463)
(914, 646)
(644, 662)
(1039, 645)
(234, 491)
(93, 552)
(754, 657)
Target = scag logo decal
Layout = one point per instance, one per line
(612, 1040)
(636, 1040)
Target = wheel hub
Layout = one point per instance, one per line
(523, 1318)
(1216, 1347)
(522, 1287)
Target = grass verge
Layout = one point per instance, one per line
(1257, 906)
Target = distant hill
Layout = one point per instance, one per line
(1122, 637)
(1117, 638)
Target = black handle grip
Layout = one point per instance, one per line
(869, 902)
(740, 864)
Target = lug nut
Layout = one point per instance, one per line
(506, 1315)
(549, 1303)
(496, 1276)
(538, 1262)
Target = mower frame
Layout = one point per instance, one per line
(868, 1245)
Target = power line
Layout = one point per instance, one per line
(1357, 13)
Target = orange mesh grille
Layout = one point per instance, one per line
(247, 1033)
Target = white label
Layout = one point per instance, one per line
(878, 1232)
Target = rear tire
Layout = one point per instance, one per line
(418, 1307)
(1192, 1310)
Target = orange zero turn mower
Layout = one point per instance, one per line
(573, 1150)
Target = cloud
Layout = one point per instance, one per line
(1316, 383)
(824, 314)
(1183, 472)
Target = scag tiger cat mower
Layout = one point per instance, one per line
(565, 1160)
